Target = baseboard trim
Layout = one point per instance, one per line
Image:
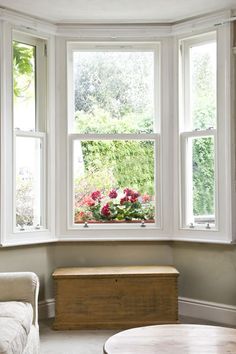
(210, 311)
(46, 309)
(202, 310)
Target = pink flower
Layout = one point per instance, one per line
(146, 198)
(106, 210)
(88, 201)
(96, 195)
(113, 194)
(83, 216)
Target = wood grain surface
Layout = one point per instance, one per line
(77, 272)
(115, 297)
(173, 339)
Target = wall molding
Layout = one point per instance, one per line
(116, 31)
(27, 23)
(210, 311)
(46, 309)
(198, 309)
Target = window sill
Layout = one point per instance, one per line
(83, 238)
(28, 237)
(114, 234)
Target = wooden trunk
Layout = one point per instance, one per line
(115, 297)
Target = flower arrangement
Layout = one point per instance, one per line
(116, 206)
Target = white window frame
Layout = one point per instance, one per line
(186, 180)
(187, 132)
(46, 130)
(39, 133)
(156, 137)
(224, 232)
(43, 181)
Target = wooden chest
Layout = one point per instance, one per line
(115, 297)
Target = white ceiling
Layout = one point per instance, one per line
(116, 10)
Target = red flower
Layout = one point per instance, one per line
(106, 210)
(124, 200)
(135, 195)
(128, 192)
(133, 199)
(96, 195)
(113, 193)
(131, 193)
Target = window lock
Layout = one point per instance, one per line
(143, 223)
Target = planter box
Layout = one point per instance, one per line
(117, 222)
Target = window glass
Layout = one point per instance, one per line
(114, 181)
(24, 86)
(28, 172)
(202, 180)
(203, 85)
(113, 92)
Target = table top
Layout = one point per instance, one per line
(117, 271)
(173, 339)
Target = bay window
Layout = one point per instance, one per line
(129, 138)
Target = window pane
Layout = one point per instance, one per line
(113, 92)
(202, 182)
(203, 85)
(24, 86)
(114, 181)
(28, 181)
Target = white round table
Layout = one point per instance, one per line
(173, 339)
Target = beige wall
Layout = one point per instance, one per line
(207, 271)
(44, 259)
(29, 258)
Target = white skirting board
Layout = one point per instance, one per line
(203, 310)
(209, 311)
(46, 309)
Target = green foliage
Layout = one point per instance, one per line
(101, 122)
(204, 116)
(130, 163)
(203, 176)
(23, 67)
